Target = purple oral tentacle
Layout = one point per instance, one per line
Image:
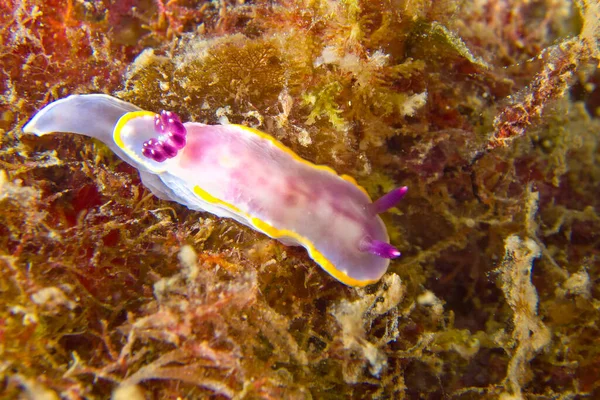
(388, 200)
(378, 248)
(171, 139)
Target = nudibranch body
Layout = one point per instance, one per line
(237, 172)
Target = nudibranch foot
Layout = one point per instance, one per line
(171, 137)
(388, 200)
(378, 248)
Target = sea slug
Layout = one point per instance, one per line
(241, 173)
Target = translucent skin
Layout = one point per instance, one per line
(237, 172)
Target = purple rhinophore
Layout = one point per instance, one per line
(388, 200)
(171, 137)
(378, 248)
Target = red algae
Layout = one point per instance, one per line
(485, 110)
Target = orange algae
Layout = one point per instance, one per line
(106, 290)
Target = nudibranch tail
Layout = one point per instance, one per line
(388, 200)
(378, 248)
(93, 115)
(171, 137)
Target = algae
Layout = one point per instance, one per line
(486, 110)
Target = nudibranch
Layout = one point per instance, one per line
(238, 172)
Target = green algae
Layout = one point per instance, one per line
(106, 290)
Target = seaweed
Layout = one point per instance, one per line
(485, 110)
